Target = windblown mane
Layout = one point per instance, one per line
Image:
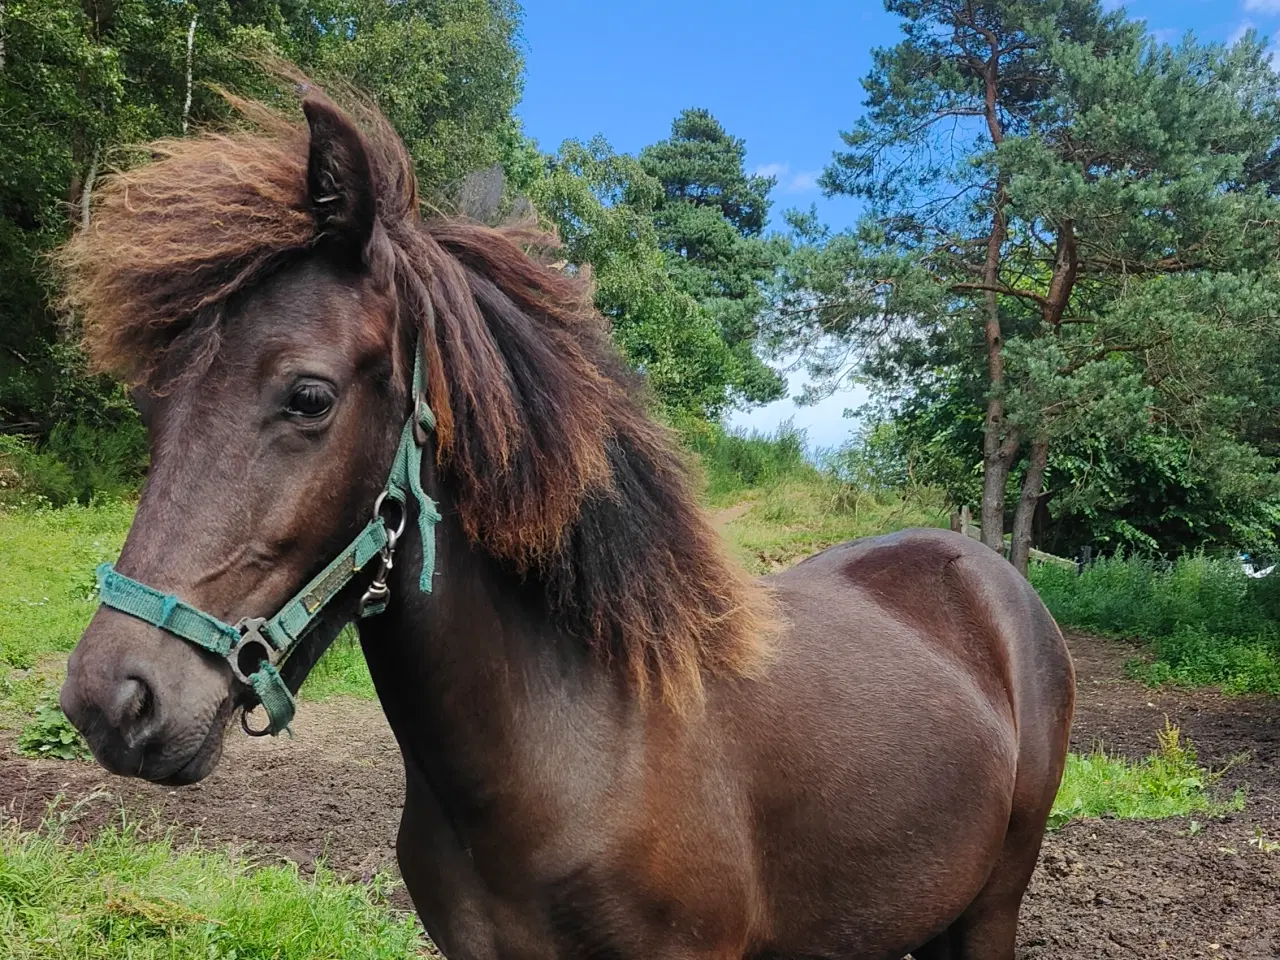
(556, 469)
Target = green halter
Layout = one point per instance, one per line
(277, 637)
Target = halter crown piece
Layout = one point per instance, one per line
(267, 642)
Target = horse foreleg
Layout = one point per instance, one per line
(441, 878)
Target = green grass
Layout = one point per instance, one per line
(735, 464)
(120, 896)
(794, 517)
(1206, 623)
(341, 672)
(47, 559)
(47, 596)
(1168, 783)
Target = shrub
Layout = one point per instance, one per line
(1206, 622)
(78, 462)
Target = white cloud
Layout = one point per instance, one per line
(778, 170)
(798, 182)
(1241, 29)
(1262, 6)
(804, 180)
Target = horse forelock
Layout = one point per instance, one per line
(556, 469)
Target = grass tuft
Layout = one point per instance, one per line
(1168, 783)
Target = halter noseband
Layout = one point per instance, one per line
(275, 638)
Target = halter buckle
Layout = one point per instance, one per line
(250, 635)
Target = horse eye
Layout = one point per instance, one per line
(309, 400)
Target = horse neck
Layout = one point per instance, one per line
(475, 681)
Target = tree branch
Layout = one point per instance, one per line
(1002, 289)
(1107, 351)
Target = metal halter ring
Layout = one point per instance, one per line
(244, 722)
(250, 634)
(392, 535)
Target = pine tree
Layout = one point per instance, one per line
(710, 222)
(1075, 207)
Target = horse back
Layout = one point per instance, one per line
(962, 600)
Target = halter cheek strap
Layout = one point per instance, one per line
(256, 645)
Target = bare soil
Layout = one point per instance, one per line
(1104, 889)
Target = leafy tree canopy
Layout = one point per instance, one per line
(79, 82)
(1076, 219)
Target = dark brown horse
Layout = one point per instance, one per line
(615, 744)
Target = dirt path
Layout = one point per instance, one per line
(1104, 888)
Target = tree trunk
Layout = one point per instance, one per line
(86, 197)
(1, 34)
(191, 47)
(1000, 444)
(1032, 489)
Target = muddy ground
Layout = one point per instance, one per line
(1104, 888)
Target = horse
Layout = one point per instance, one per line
(616, 744)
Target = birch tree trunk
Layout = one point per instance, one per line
(191, 47)
(86, 196)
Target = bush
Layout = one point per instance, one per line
(1206, 622)
(78, 462)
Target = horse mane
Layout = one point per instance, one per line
(557, 470)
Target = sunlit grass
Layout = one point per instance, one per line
(1168, 783)
(120, 896)
(47, 562)
(340, 672)
(793, 518)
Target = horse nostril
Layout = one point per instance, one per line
(133, 706)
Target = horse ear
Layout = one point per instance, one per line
(340, 179)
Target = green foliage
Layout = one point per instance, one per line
(122, 896)
(51, 735)
(736, 462)
(602, 204)
(1168, 783)
(1125, 184)
(1206, 622)
(1154, 494)
(447, 73)
(710, 223)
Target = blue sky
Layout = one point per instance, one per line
(783, 76)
